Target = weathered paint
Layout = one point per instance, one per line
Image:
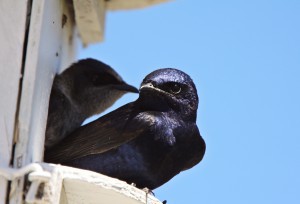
(50, 42)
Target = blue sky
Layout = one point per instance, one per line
(244, 57)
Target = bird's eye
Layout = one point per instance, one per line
(175, 89)
(172, 87)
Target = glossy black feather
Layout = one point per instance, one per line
(146, 142)
(107, 132)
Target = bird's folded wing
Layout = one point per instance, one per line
(107, 132)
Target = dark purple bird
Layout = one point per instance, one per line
(146, 142)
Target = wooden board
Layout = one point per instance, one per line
(90, 15)
(50, 44)
(12, 33)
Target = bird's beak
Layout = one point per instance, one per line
(147, 86)
(127, 88)
(150, 86)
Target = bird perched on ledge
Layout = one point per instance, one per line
(86, 88)
(146, 142)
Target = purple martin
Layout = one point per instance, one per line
(146, 142)
(86, 88)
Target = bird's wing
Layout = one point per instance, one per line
(107, 132)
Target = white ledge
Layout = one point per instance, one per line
(82, 186)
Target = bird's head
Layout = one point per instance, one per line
(92, 73)
(94, 83)
(170, 88)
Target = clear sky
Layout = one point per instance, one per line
(244, 57)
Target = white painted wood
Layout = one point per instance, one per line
(131, 4)
(44, 55)
(90, 17)
(12, 25)
(50, 43)
(82, 186)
